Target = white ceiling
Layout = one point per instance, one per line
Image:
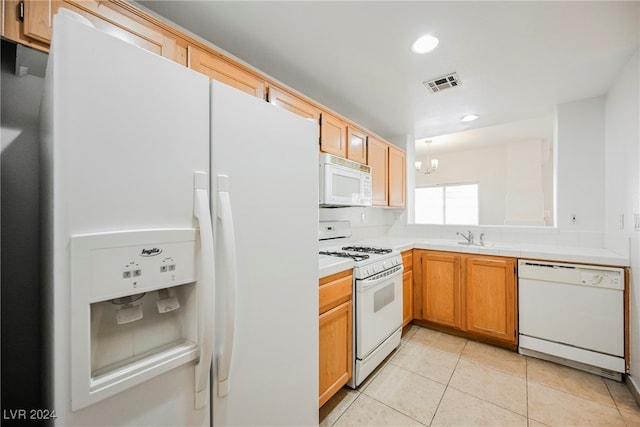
(516, 60)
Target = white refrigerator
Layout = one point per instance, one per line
(140, 236)
(266, 179)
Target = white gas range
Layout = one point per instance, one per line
(377, 296)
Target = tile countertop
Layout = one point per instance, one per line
(330, 265)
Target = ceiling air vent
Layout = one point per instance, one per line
(442, 83)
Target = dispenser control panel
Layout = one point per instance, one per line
(112, 265)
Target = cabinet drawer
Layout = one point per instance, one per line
(335, 290)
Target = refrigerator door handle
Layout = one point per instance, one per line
(227, 234)
(206, 294)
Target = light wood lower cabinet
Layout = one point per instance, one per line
(335, 334)
(440, 293)
(407, 287)
(472, 295)
(491, 297)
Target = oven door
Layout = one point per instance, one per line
(378, 309)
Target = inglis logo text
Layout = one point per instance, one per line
(151, 252)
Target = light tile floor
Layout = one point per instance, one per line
(435, 379)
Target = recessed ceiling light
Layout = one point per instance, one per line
(425, 44)
(469, 117)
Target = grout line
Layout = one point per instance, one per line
(348, 406)
(396, 410)
(615, 402)
(446, 387)
(526, 385)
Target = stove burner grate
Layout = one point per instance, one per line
(355, 257)
(366, 249)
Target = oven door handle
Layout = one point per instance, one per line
(367, 284)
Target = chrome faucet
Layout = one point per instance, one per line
(469, 238)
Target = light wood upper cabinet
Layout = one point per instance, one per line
(35, 28)
(218, 69)
(378, 159)
(335, 334)
(491, 297)
(440, 288)
(142, 34)
(387, 173)
(285, 100)
(397, 177)
(356, 145)
(37, 20)
(333, 135)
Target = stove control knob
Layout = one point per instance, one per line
(370, 271)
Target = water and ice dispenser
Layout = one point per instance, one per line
(135, 308)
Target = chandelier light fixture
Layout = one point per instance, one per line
(432, 164)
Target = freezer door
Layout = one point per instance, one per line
(123, 132)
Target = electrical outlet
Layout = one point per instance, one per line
(636, 222)
(621, 221)
(572, 218)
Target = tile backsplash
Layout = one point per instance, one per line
(367, 222)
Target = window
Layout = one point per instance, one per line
(447, 204)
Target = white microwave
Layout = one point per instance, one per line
(343, 182)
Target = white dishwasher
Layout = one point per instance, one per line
(572, 314)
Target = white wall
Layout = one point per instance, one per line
(501, 170)
(485, 166)
(580, 164)
(622, 178)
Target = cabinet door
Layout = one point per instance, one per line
(218, 69)
(356, 145)
(491, 297)
(407, 287)
(104, 16)
(285, 100)
(397, 177)
(335, 350)
(333, 135)
(407, 297)
(34, 30)
(441, 288)
(378, 159)
(37, 20)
